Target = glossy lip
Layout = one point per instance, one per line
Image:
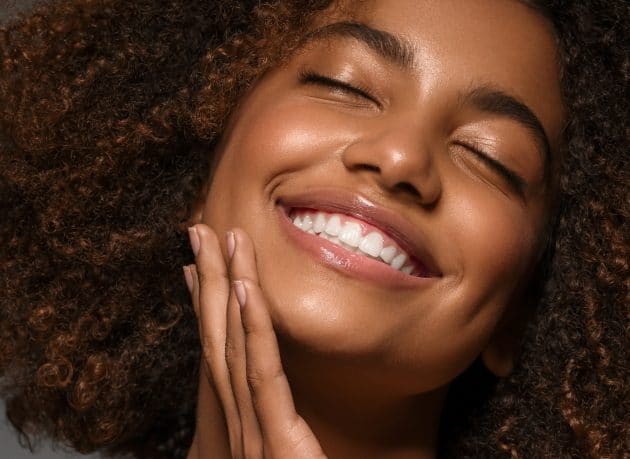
(355, 205)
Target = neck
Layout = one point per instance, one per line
(349, 412)
(353, 414)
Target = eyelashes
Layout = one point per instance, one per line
(516, 182)
(310, 77)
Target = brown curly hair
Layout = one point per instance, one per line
(107, 109)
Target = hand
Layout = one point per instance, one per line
(241, 358)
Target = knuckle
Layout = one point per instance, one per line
(206, 278)
(300, 441)
(209, 348)
(207, 351)
(208, 341)
(231, 354)
(210, 274)
(202, 276)
(255, 379)
(299, 438)
(252, 328)
(258, 377)
(248, 328)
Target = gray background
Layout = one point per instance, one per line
(9, 446)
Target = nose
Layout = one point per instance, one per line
(399, 161)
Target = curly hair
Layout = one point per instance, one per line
(109, 113)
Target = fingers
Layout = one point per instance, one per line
(241, 351)
(210, 294)
(242, 264)
(285, 434)
(268, 384)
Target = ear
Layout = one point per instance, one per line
(502, 350)
(499, 355)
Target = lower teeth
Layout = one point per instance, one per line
(356, 250)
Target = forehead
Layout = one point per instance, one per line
(459, 44)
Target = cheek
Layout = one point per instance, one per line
(497, 246)
(264, 141)
(490, 243)
(494, 239)
(271, 139)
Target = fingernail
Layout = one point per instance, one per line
(231, 243)
(194, 239)
(189, 278)
(241, 294)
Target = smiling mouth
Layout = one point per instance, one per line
(357, 237)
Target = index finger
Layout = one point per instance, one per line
(210, 296)
(285, 433)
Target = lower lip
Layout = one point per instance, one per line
(346, 262)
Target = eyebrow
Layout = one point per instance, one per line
(385, 44)
(485, 98)
(492, 100)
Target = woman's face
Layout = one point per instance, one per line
(422, 134)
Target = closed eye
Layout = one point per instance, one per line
(313, 78)
(516, 182)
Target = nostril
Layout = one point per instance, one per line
(408, 188)
(367, 167)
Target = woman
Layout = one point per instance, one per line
(426, 200)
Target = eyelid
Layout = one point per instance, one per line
(311, 77)
(517, 183)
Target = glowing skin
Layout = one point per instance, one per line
(363, 356)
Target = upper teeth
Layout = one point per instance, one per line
(349, 235)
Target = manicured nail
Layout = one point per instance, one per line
(189, 278)
(241, 294)
(194, 239)
(231, 243)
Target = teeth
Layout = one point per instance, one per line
(320, 222)
(333, 227)
(348, 247)
(388, 254)
(307, 223)
(372, 244)
(398, 261)
(351, 234)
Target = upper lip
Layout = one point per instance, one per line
(408, 236)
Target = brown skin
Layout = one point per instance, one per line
(406, 345)
(99, 343)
